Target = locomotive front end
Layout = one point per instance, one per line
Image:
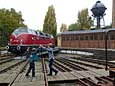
(17, 41)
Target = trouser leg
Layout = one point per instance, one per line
(53, 69)
(33, 69)
(29, 69)
(51, 66)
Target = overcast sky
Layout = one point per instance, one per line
(34, 11)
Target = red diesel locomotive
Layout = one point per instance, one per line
(22, 38)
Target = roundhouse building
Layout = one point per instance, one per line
(87, 38)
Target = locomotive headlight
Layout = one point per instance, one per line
(7, 47)
(21, 41)
(32, 38)
(18, 47)
(10, 40)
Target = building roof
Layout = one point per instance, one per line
(86, 31)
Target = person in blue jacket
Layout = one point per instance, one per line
(33, 59)
(51, 58)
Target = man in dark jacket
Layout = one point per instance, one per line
(33, 58)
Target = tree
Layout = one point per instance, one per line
(9, 21)
(84, 20)
(74, 27)
(50, 25)
(63, 28)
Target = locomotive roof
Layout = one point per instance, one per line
(86, 31)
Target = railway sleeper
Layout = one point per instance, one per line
(63, 66)
(4, 84)
(60, 68)
(110, 79)
(102, 80)
(75, 65)
(86, 64)
(71, 65)
(89, 81)
(82, 83)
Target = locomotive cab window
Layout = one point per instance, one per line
(20, 31)
(34, 33)
(29, 31)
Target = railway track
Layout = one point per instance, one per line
(10, 65)
(97, 61)
(5, 55)
(65, 65)
(21, 70)
(16, 67)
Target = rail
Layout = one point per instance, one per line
(10, 84)
(44, 71)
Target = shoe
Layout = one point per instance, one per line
(49, 74)
(33, 76)
(27, 75)
(56, 73)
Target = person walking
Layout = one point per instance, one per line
(51, 59)
(33, 59)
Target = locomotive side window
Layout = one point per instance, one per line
(42, 35)
(47, 37)
(37, 33)
(52, 36)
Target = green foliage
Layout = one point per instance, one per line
(63, 28)
(84, 20)
(9, 21)
(73, 26)
(50, 25)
